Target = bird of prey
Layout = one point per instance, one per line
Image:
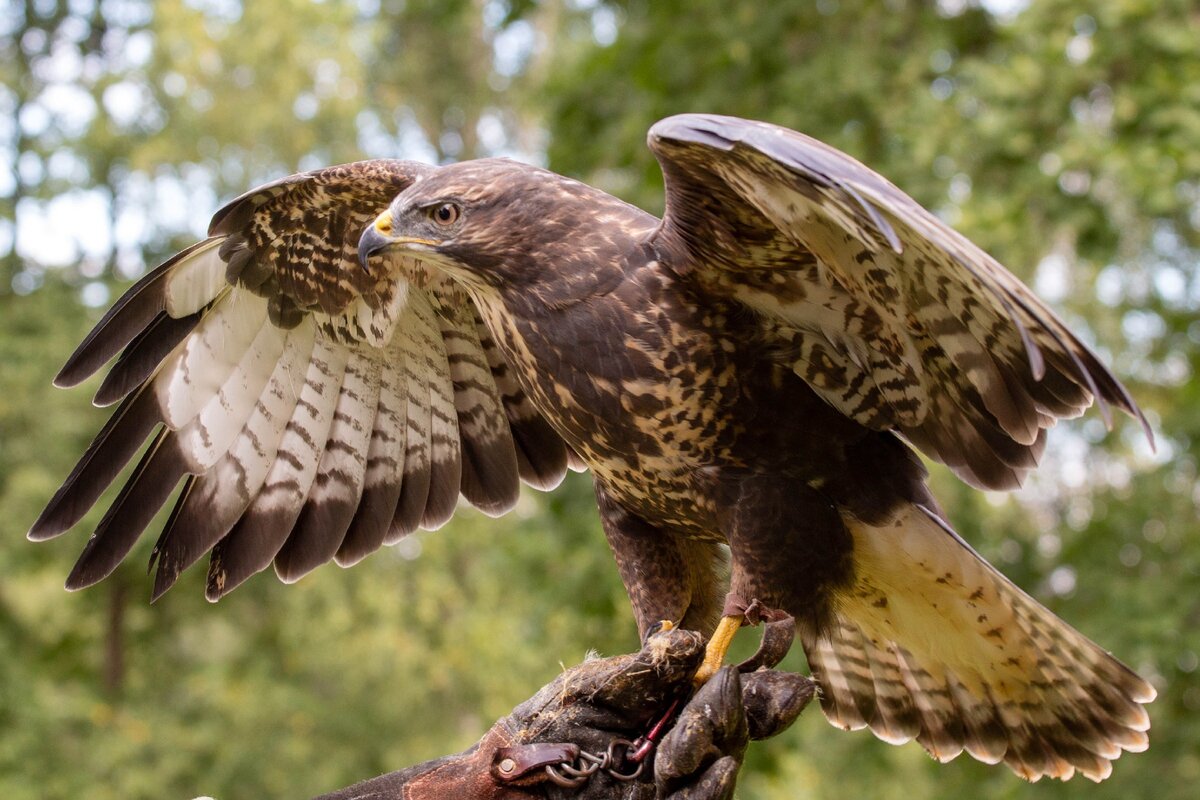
(748, 379)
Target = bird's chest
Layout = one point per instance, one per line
(642, 386)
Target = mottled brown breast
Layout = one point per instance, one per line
(637, 379)
(663, 391)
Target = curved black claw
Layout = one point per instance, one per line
(662, 626)
(778, 634)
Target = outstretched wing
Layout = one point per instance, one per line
(893, 318)
(313, 409)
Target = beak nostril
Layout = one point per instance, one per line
(383, 223)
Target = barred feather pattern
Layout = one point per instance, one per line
(312, 409)
(932, 643)
(892, 317)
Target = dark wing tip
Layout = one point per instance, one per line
(83, 363)
(490, 479)
(131, 315)
(61, 513)
(105, 457)
(39, 531)
(49, 524)
(83, 575)
(67, 377)
(541, 454)
(142, 356)
(120, 325)
(1123, 400)
(315, 538)
(164, 579)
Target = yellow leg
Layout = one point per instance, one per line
(718, 645)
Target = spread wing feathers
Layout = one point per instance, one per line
(542, 457)
(310, 410)
(892, 317)
(932, 643)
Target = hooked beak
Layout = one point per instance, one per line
(378, 237)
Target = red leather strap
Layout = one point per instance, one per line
(517, 761)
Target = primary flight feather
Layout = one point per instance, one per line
(354, 348)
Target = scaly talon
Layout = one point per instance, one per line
(718, 646)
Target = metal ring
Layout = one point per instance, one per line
(573, 775)
(573, 771)
(615, 755)
(563, 780)
(621, 776)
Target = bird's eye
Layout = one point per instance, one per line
(446, 214)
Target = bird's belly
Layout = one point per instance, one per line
(676, 499)
(648, 443)
(660, 437)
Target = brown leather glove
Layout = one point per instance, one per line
(618, 699)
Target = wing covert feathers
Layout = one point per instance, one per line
(932, 643)
(311, 410)
(892, 317)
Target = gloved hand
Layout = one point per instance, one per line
(616, 700)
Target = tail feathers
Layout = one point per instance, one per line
(932, 643)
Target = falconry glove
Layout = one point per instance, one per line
(555, 744)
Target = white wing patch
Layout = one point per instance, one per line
(313, 410)
(211, 433)
(199, 367)
(196, 281)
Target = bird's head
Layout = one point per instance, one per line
(475, 219)
(493, 222)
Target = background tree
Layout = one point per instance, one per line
(1064, 138)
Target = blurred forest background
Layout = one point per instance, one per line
(1063, 136)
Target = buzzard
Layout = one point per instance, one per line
(748, 380)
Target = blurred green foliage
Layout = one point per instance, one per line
(1063, 136)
